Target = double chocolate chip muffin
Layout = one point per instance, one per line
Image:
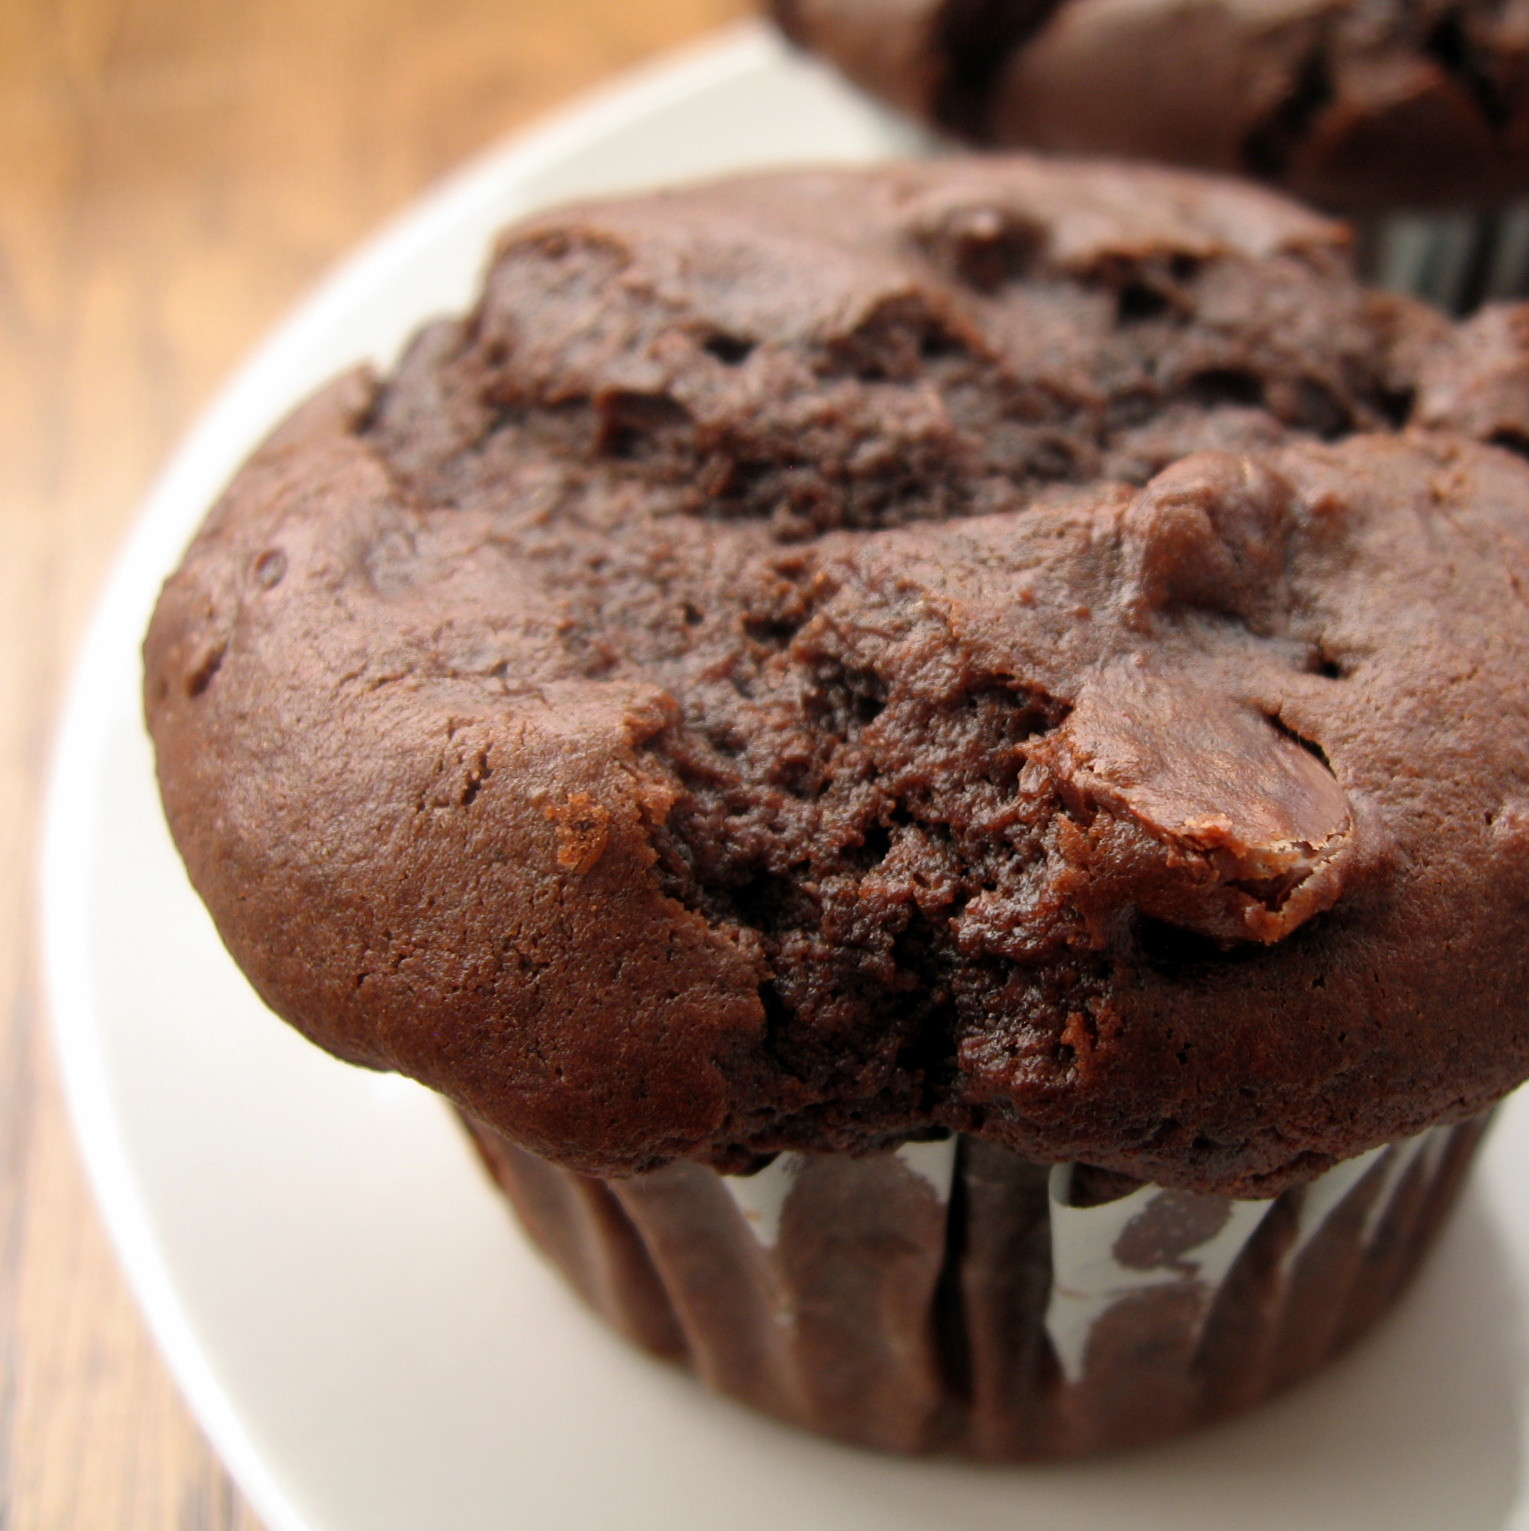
(826, 694)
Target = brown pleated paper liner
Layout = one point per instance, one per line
(954, 1296)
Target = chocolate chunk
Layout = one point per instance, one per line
(1194, 810)
(1210, 531)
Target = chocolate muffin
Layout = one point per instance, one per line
(903, 677)
(1372, 110)
(1355, 107)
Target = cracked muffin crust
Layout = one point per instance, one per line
(1358, 106)
(1026, 649)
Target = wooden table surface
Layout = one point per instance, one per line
(173, 175)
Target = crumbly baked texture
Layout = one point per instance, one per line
(1005, 646)
(1359, 107)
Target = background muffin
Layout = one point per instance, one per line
(1368, 110)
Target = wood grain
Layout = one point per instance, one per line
(173, 173)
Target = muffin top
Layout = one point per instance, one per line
(1003, 646)
(1360, 105)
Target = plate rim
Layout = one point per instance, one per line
(109, 646)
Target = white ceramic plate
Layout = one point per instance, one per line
(367, 1340)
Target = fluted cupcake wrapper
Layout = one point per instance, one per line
(1457, 261)
(955, 1296)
